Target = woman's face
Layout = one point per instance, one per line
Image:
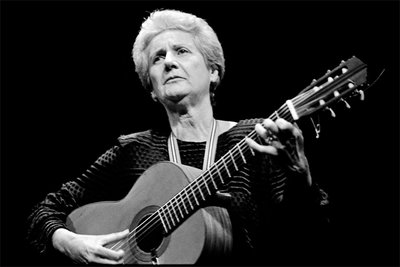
(177, 70)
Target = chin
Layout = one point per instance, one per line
(176, 95)
(178, 100)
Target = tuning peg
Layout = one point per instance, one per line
(331, 111)
(345, 102)
(344, 70)
(361, 93)
(336, 93)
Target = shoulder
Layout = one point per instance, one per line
(147, 137)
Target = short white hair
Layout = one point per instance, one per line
(204, 36)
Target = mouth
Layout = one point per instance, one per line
(172, 79)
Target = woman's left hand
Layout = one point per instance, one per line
(285, 141)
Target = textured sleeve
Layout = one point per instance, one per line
(95, 184)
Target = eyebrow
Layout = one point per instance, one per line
(157, 52)
(152, 54)
(174, 46)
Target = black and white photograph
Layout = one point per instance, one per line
(200, 132)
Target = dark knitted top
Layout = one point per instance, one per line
(265, 199)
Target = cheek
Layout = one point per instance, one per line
(154, 78)
(202, 73)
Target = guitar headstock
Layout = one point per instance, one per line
(346, 80)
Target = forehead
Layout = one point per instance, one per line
(171, 38)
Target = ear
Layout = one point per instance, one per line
(153, 95)
(214, 76)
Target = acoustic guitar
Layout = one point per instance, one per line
(178, 226)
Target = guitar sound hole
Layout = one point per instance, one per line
(151, 239)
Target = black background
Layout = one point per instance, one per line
(68, 89)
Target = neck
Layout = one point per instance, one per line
(191, 123)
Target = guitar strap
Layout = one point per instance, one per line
(209, 155)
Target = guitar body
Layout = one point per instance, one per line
(206, 234)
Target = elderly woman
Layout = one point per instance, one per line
(180, 61)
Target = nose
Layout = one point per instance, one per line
(170, 61)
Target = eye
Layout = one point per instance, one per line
(157, 58)
(182, 50)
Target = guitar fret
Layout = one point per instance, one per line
(198, 187)
(226, 167)
(194, 195)
(241, 154)
(166, 218)
(170, 215)
(179, 207)
(252, 151)
(212, 180)
(183, 202)
(176, 215)
(188, 198)
(162, 221)
(219, 174)
(233, 160)
(205, 183)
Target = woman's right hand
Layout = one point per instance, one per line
(85, 249)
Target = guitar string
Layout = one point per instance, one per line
(206, 182)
